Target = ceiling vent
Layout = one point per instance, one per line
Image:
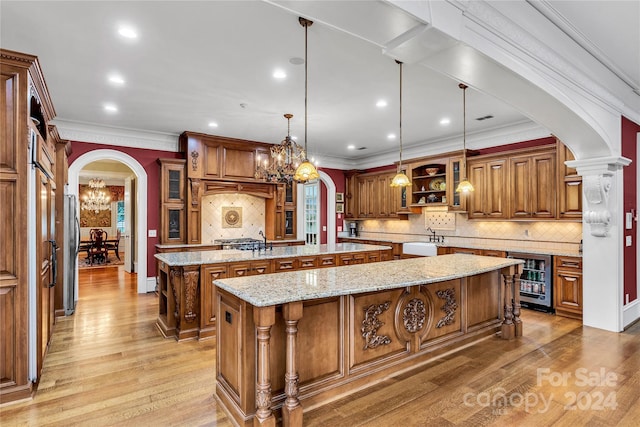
(484, 118)
(362, 148)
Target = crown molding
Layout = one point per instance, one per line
(120, 137)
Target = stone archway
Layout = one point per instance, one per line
(140, 201)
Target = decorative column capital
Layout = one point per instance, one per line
(597, 180)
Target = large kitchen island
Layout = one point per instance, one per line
(302, 339)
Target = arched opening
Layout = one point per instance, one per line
(140, 200)
(330, 208)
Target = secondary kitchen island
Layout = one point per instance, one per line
(309, 337)
(186, 294)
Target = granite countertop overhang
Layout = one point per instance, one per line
(178, 259)
(281, 288)
(399, 239)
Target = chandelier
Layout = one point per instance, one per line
(96, 198)
(281, 164)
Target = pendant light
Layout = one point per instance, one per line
(400, 180)
(464, 186)
(306, 171)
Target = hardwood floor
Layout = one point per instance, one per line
(108, 365)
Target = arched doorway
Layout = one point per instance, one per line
(140, 200)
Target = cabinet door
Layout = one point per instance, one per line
(367, 197)
(351, 205)
(280, 265)
(208, 303)
(567, 295)
(521, 175)
(456, 201)
(381, 194)
(496, 186)
(569, 186)
(260, 267)
(543, 186)
(476, 200)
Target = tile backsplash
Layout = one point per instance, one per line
(253, 221)
(559, 235)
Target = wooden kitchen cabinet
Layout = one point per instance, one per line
(373, 197)
(567, 286)
(489, 199)
(172, 201)
(208, 298)
(241, 269)
(429, 183)
(569, 186)
(533, 186)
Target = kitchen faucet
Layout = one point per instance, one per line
(261, 233)
(433, 237)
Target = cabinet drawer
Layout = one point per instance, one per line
(327, 261)
(284, 265)
(307, 262)
(569, 262)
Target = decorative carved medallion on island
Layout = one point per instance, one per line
(371, 324)
(450, 306)
(414, 315)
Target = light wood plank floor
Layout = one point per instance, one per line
(108, 365)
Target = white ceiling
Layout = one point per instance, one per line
(197, 62)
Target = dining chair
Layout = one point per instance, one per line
(98, 248)
(114, 244)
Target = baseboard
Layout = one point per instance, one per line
(151, 284)
(630, 313)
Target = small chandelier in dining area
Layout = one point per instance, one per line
(96, 199)
(284, 158)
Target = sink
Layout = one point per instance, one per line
(420, 248)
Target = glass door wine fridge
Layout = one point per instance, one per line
(535, 282)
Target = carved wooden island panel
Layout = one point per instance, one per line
(187, 295)
(304, 338)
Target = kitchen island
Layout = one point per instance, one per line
(187, 297)
(309, 337)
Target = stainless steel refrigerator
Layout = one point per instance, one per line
(536, 284)
(72, 243)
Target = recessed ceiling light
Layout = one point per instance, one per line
(351, 147)
(116, 79)
(213, 125)
(381, 103)
(391, 136)
(128, 32)
(279, 74)
(445, 121)
(111, 108)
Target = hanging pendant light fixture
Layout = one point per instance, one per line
(401, 179)
(306, 171)
(465, 186)
(284, 158)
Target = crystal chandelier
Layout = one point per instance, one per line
(96, 198)
(283, 160)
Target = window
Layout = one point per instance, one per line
(311, 213)
(120, 216)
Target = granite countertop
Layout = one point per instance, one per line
(233, 255)
(273, 289)
(498, 246)
(200, 245)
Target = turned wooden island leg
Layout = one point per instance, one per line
(291, 409)
(512, 325)
(264, 318)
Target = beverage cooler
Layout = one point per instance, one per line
(535, 282)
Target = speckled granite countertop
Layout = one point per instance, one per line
(200, 245)
(273, 289)
(496, 245)
(233, 255)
